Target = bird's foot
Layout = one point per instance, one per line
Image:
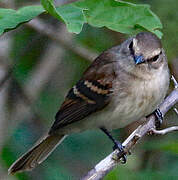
(159, 118)
(118, 145)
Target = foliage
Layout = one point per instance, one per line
(119, 16)
(153, 158)
(10, 19)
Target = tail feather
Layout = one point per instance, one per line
(37, 154)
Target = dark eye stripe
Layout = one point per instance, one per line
(155, 58)
(131, 49)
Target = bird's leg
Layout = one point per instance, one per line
(159, 118)
(117, 144)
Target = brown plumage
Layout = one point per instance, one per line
(37, 154)
(122, 85)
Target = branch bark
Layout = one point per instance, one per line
(164, 131)
(107, 164)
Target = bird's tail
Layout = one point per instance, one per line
(37, 154)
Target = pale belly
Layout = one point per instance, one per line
(124, 111)
(143, 99)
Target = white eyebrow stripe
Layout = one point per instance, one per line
(156, 52)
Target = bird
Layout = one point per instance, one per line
(122, 85)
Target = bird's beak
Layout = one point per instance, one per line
(139, 59)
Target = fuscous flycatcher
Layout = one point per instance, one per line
(122, 85)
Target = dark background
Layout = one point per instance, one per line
(39, 69)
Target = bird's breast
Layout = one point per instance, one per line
(137, 99)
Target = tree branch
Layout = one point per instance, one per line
(49, 31)
(5, 78)
(107, 164)
(164, 131)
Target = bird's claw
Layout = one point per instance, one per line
(159, 118)
(119, 146)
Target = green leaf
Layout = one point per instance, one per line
(72, 15)
(50, 8)
(119, 16)
(10, 19)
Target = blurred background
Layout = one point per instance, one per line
(39, 62)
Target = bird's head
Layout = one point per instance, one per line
(146, 48)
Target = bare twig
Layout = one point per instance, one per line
(164, 131)
(41, 74)
(107, 164)
(174, 81)
(49, 31)
(3, 97)
(176, 111)
(5, 78)
(39, 78)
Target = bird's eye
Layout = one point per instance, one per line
(154, 59)
(131, 48)
(131, 45)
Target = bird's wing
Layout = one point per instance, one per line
(91, 93)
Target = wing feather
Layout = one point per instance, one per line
(91, 93)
